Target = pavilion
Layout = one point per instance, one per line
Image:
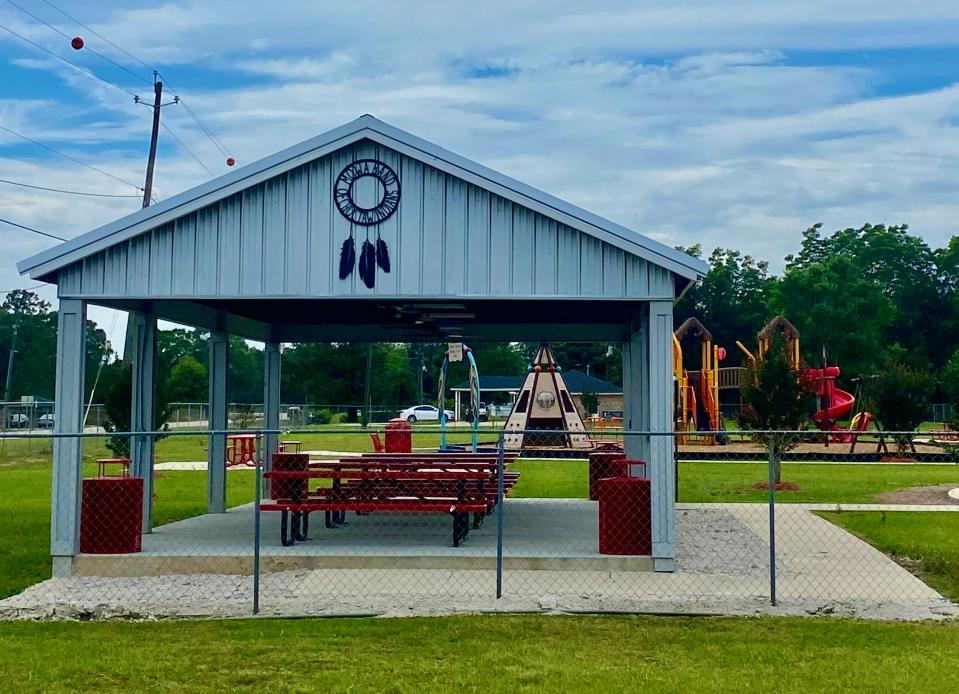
(264, 253)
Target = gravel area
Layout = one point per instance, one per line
(722, 568)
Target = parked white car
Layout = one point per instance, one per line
(423, 413)
(18, 421)
(47, 421)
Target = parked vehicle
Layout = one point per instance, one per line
(46, 421)
(424, 413)
(18, 421)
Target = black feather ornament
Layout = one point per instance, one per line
(382, 255)
(347, 258)
(368, 264)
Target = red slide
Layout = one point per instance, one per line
(841, 404)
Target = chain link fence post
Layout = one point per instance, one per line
(499, 515)
(772, 444)
(257, 495)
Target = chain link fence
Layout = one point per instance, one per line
(392, 521)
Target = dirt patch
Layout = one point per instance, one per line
(780, 486)
(934, 495)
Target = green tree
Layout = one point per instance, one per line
(775, 396)
(116, 394)
(904, 269)
(731, 300)
(188, 381)
(950, 386)
(836, 308)
(899, 399)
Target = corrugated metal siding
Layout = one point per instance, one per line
(447, 238)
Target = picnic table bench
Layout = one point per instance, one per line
(459, 485)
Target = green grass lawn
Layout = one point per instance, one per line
(25, 514)
(733, 482)
(926, 542)
(25, 487)
(516, 653)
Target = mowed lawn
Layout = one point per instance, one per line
(25, 487)
(508, 653)
(926, 542)
(735, 482)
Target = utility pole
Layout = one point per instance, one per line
(13, 349)
(366, 385)
(148, 186)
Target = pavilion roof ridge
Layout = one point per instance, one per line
(43, 264)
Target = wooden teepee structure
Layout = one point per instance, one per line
(544, 415)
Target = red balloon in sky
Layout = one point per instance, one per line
(721, 353)
(77, 43)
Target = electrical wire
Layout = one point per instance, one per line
(69, 38)
(76, 67)
(67, 156)
(68, 192)
(98, 35)
(26, 289)
(196, 118)
(35, 231)
(183, 145)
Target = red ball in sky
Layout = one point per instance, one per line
(721, 353)
(230, 161)
(77, 43)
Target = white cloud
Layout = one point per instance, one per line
(724, 141)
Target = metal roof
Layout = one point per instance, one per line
(43, 264)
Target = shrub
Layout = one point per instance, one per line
(775, 396)
(899, 399)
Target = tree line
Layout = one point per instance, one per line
(866, 297)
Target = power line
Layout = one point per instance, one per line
(76, 67)
(100, 36)
(68, 192)
(67, 156)
(68, 38)
(35, 231)
(183, 145)
(26, 289)
(203, 126)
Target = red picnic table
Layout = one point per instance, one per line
(241, 449)
(459, 485)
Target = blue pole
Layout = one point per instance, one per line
(499, 517)
(442, 402)
(474, 398)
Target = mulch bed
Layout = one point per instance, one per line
(780, 486)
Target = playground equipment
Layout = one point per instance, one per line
(545, 405)
(455, 353)
(697, 394)
(832, 403)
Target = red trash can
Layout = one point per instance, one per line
(111, 515)
(605, 463)
(289, 488)
(399, 436)
(625, 524)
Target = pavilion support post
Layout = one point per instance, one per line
(68, 452)
(143, 405)
(648, 407)
(660, 412)
(458, 397)
(272, 360)
(216, 450)
(635, 378)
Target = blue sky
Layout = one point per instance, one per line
(728, 124)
